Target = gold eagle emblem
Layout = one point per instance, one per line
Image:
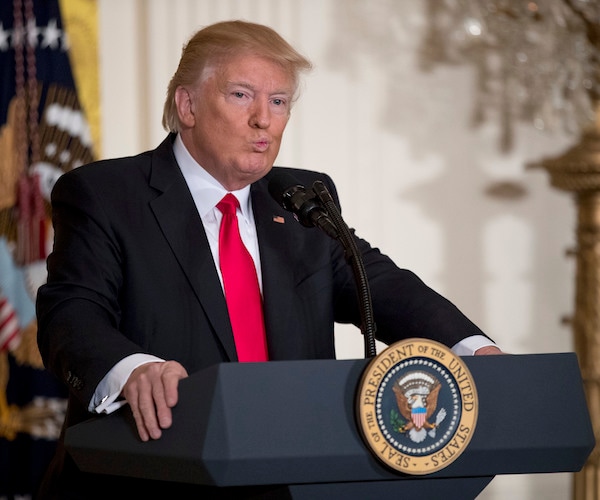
(417, 399)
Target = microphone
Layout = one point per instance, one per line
(302, 202)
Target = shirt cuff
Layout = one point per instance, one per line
(109, 388)
(468, 346)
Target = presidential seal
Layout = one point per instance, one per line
(417, 406)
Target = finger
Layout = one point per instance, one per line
(141, 428)
(138, 392)
(173, 374)
(487, 350)
(131, 395)
(148, 411)
(163, 410)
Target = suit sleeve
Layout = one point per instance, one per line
(77, 311)
(403, 305)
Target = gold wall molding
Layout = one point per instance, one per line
(578, 171)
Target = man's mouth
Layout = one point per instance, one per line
(261, 146)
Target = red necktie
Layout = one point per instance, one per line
(242, 291)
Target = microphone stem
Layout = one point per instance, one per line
(354, 258)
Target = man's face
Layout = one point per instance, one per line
(233, 121)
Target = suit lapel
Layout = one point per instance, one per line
(274, 227)
(178, 218)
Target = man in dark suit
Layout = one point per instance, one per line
(134, 300)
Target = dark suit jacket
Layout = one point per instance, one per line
(131, 271)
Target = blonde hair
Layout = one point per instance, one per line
(220, 41)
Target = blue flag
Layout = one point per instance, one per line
(43, 133)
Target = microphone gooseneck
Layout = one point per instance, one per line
(315, 207)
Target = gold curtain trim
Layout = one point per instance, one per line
(80, 20)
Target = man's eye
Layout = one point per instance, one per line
(239, 95)
(278, 102)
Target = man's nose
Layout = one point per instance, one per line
(260, 116)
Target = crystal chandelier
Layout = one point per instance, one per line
(535, 61)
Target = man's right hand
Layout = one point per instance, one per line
(151, 392)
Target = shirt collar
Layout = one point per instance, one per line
(206, 190)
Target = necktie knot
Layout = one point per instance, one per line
(228, 205)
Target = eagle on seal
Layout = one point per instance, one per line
(417, 398)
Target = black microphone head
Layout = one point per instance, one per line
(302, 202)
(280, 185)
(293, 196)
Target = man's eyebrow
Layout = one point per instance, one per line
(249, 86)
(232, 83)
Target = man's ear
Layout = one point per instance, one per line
(185, 106)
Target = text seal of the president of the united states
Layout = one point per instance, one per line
(417, 406)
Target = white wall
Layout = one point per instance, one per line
(413, 176)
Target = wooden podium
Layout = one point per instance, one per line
(292, 425)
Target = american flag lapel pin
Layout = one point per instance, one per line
(279, 219)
